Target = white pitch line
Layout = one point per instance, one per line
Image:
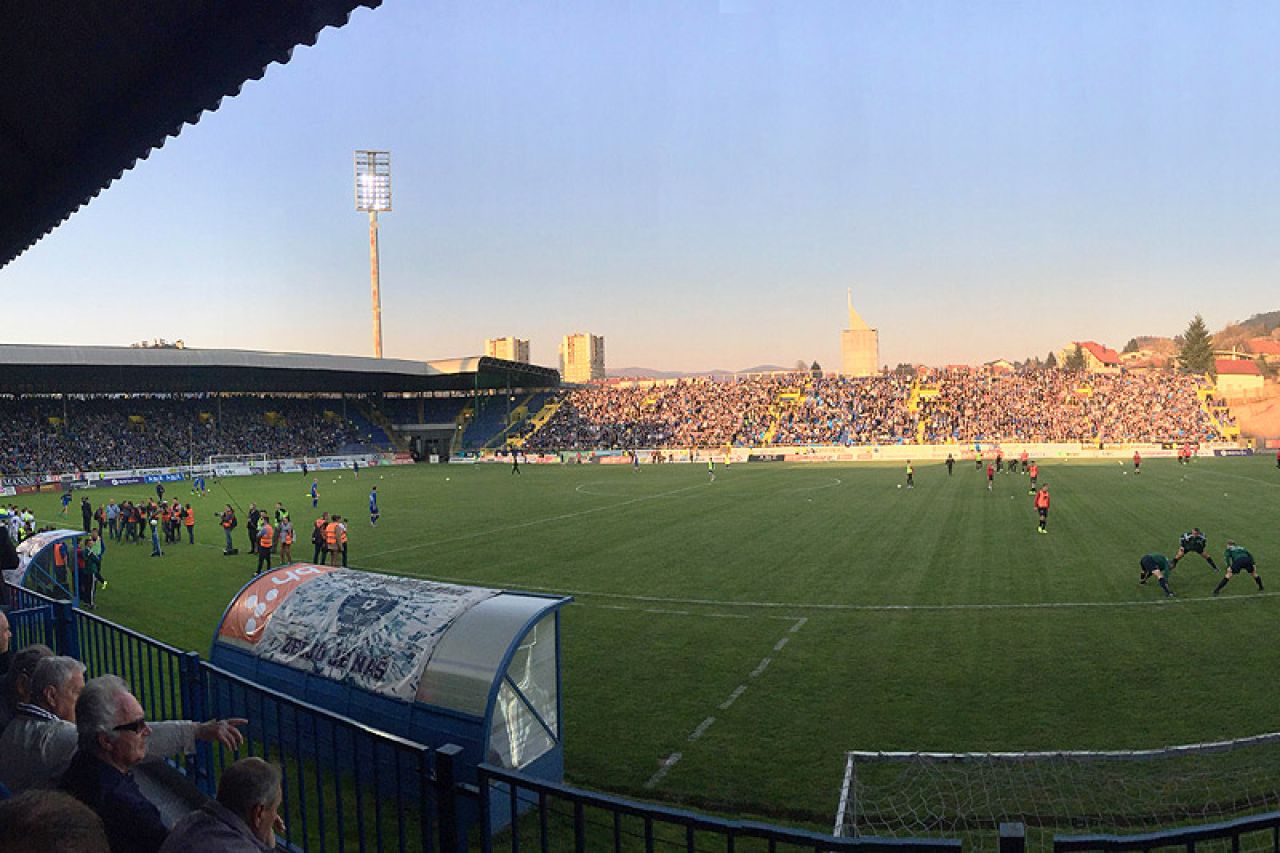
(701, 729)
(541, 521)
(667, 764)
(707, 723)
(582, 489)
(733, 697)
(777, 647)
(835, 481)
(838, 606)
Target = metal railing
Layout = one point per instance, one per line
(1261, 831)
(560, 817)
(347, 786)
(32, 625)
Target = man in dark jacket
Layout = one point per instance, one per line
(243, 819)
(113, 735)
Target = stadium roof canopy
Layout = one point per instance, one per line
(41, 369)
(91, 87)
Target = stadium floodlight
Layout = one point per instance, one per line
(373, 194)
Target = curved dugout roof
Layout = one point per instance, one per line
(91, 87)
(47, 369)
(407, 639)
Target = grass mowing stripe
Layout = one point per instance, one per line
(937, 617)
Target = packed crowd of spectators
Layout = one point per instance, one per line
(39, 435)
(1056, 406)
(802, 409)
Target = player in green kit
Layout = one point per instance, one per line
(1158, 565)
(1192, 542)
(1238, 560)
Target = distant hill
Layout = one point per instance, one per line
(1234, 334)
(1257, 326)
(651, 373)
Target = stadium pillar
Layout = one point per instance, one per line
(1013, 838)
(374, 282)
(446, 781)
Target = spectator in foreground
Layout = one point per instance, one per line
(38, 745)
(6, 636)
(50, 822)
(17, 681)
(243, 819)
(113, 737)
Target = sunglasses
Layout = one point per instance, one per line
(135, 727)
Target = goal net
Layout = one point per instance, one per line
(1057, 793)
(230, 465)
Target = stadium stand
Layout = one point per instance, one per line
(81, 434)
(956, 407)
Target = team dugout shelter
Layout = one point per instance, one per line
(437, 663)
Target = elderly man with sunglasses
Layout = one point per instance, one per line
(37, 746)
(114, 737)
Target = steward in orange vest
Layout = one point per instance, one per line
(266, 538)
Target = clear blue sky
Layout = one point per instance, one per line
(700, 183)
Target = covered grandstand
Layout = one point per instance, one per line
(28, 369)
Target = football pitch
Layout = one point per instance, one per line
(730, 640)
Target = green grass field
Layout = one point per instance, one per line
(761, 625)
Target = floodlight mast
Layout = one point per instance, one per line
(373, 193)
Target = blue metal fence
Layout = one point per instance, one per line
(561, 817)
(32, 625)
(346, 786)
(1257, 832)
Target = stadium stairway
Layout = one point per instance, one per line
(519, 415)
(541, 414)
(376, 437)
(789, 397)
(1214, 409)
(380, 420)
(488, 423)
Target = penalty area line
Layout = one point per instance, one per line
(838, 607)
(674, 758)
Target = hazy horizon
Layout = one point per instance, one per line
(700, 183)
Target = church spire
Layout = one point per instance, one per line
(856, 323)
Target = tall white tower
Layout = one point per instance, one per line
(859, 346)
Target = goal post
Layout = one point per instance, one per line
(231, 464)
(1071, 791)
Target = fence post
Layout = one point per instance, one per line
(447, 797)
(191, 687)
(64, 624)
(1013, 838)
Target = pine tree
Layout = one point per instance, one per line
(1052, 361)
(1196, 352)
(1075, 361)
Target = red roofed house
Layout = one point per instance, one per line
(1097, 358)
(1237, 377)
(1266, 347)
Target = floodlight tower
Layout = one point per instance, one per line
(373, 193)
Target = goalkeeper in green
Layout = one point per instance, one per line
(1158, 565)
(1238, 561)
(1192, 542)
